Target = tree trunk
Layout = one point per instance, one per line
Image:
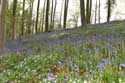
(82, 12)
(96, 11)
(47, 16)
(3, 25)
(22, 27)
(65, 13)
(90, 11)
(99, 18)
(14, 20)
(30, 16)
(60, 21)
(53, 19)
(51, 16)
(87, 11)
(109, 11)
(37, 17)
(43, 15)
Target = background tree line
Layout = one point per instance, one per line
(17, 18)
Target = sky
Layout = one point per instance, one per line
(117, 14)
(118, 11)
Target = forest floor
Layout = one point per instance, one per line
(47, 39)
(90, 54)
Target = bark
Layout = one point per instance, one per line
(99, 17)
(14, 20)
(109, 11)
(37, 17)
(51, 16)
(96, 11)
(65, 13)
(47, 16)
(60, 21)
(53, 19)
(23, 12)
(43, 15)
(30, 16)
(3, 25)
(82, 12)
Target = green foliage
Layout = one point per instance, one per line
(98, 60)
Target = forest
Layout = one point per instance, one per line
(62, 41)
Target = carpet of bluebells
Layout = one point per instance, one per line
(92, 55)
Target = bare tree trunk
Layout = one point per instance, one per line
(47, 16)
(65, 13)
(43, 14)
(82, 12)
(60, 21)
(96, 11)
(109, 11)
(51, 16)
(99, 18)
(22, 27)
(30, 16)
(37, 17)
(53, 19)
(87, 11)
(14, 20)
(3, 25)
(90, 11)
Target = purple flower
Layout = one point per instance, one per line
(66, 78)
(51, 76)
(106, 61)
(122, 65)
(101, 66)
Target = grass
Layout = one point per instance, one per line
(98, 59)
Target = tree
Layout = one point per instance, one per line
(3, 25)
(110, 4)
(65, 13)
(109, 11)
(37, 17)
(23, 11)
(47, 16)
(53, 19)
(96, 11)
(43, 14)
(88, 11)
(53, 12)
(60, 19)
(14, 20)
(30, 16)
(99, 17)
(82, 12)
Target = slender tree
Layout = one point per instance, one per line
(65, 13)
(53, 19)
(51, 16)
(109, 10)
(30, 16)
(99, 17)
(88, 11)
(3, 25)
(37, 17)
(82, 12)
(53, 11)
(23, 12)
(60, 20)
(96, 5)
(14, 20)
(43, 14)
(47, 16)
